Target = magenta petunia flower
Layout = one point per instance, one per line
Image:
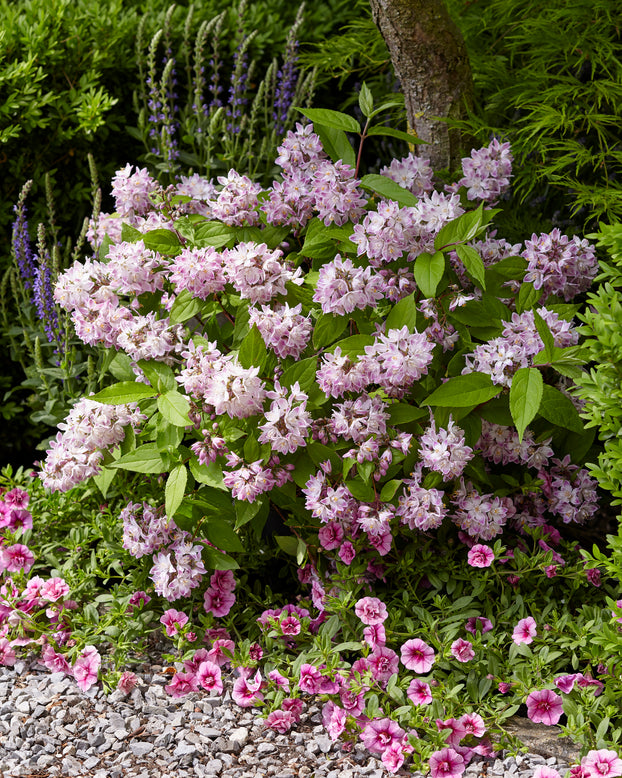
(182, 684)
(524, 631)
(379, 734)
(446, 763)
(173, 621)
(54, 589)
(209, 677)
(281, 721)
(542, 771)
(473, 622)
(86, 667)
(602, 764)
(419, 692)
(15, 558)
(480, 555)
(417, 655)
(127, 682)
(473, 724)
(334, 719)
(544, 707)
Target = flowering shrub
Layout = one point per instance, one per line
(372, 368)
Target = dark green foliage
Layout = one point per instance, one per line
(548, 78)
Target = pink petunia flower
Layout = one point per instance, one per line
(474, 622)
(393, 757)
(86, 667)
(127, 682)
(280, 720)
(544, 707)
(417, 656)
(542, 771)
(371, 611)
(209, 677)
(7, 654)
(379, 734)
(182, 684)
(334, 719)
(473, 724)
(480, 555)
(15, 558)
(462, 650)
(446, 763)
(602, 764)
(54, 589)
(524, 631)
(419, 692)
(174, 621)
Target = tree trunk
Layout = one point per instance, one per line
(430, 59)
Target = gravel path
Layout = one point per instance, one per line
(48, 727)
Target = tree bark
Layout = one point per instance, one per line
(430, 59)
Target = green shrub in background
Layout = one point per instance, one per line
(548, 78)
(68, 73)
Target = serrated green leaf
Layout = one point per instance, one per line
(328, 328)
(124, 392)
(386, 187)
(559, 409)
(163, 241)
(211, 474)
(460, 230)
(527, 297)
(547, 336)
(217, 560)
(404, 312)
(103, 479)
(144, 459)
(360, 491)
(428, 271)
(221, 534)
(175, 407)
(303, 372)
(334, 119)
(463, 391)
(366, 100)
(336, 144)
(389, 489)
(175, 489)
(525, 397)
(401, 413)
(215, 234)
(185, 307)
(159, 375)
(473, 264)
(253, 351)
(287, 543)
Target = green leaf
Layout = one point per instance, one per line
(121, 367)
(163, 241)
(144, 459)
(366, 100)
(547, 336)
(214, 234)
(404, 312)
(253, 351)
(464, 391)
(558, 409)
(476, 312)
(246, 511)
(328, 328)
(185, 307)
(130, 234)
(462, 229)
(175, 406)
(525, 397)
(287, 543)
(386, 187)
(389, 489)
(123, 392)
(217, 560)
(354, 345)
(175, 489)
(159, 375)
(389, 132)
(303, 372)
(401, 413)
(473, 264)
(336, 144)
(221, 534)
(527, 297)
(360, 491)
(428, 270)
(211, 474)
(334, 119)
(103, 479)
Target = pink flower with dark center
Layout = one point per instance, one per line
(384, 663)
(246, 693)
(480, 555)
(375, 636)
(54, 661)
(347, 553)
(379, 734)
(310, 679)
(565, 683)
(602, 764)
(456, 729)
(419, 692)
(209, 677)
(86, 667)
(290, 626)
(217, 653)
(473, 724)
(294, 705)
(417, 656)
(544, 707)
(525, 631)
(371, 610)
(217, 602)
(446, 763)
(139, 598)
(462, 650)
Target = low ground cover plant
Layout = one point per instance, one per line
(359, 374)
